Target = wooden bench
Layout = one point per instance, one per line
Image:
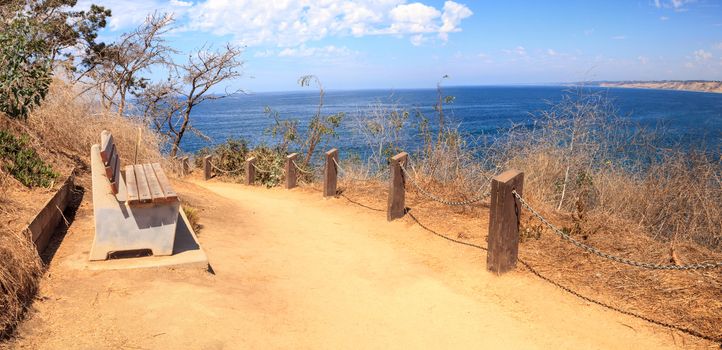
(134, 210)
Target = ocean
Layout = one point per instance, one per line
(689, 119)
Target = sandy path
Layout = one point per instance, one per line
(296, 271)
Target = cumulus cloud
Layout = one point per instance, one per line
(127, 15)
(674, 5)
(701, 55)
(290, 23)
(326, 51)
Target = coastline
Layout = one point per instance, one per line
(672, 86)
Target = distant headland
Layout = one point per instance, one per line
(684, 85)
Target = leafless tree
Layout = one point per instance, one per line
(167, 106)
(115, 71)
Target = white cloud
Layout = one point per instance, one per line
(619, 37)
(701, 55)
(718, 45)
(181, 3)
(518, 51)
(329, 51)
(551, 52)
(451, 18)
(127, 15)
(288, 23)
(417, 39)
(643, 60)
(673, 4)
(413, 18)
(663, 18)
(264, 53)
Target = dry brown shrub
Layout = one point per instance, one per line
(610, 188)
(20, 271)
(71, 124)
(62, 130)
(584, 161)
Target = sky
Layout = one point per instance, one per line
(395, 44)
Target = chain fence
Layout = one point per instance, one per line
(646, 265)
(227, 172)
(305, 171)
(342, 171)
(433, 197)
(573, 292)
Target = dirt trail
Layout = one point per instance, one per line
(293, 270)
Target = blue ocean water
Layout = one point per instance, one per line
(690, 119)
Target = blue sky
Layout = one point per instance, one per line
(412, 44)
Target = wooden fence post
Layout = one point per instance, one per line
(185, 166)
(330, 173)
(207, 167)
(291, 171)
(504, 216)
(397, 194)
(250, 170)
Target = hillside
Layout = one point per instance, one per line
(684, 85)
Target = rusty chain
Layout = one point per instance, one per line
(439, 199)
(345, 173)
(226, 171)
(575, 293)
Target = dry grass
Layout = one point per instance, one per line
(62, 131)
(70, 124)
(604, 181)
(20, 272)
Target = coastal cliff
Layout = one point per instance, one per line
(685, 85)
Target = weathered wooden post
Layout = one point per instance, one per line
(207, 167)
(330, 173)
(291, 171)
(185, 166)
(504, 217)
(250, 170)
(397, 194)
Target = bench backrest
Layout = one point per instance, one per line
(144, 183)
(111, 159)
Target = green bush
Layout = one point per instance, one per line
(23, 163)
(25, 68)
(230, 157)
(270, 163)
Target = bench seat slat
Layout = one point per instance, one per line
(131, 185)
(156, 192)
(170, 194)
(142, 182)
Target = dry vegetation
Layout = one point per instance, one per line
(598, 178)
(62, 131)
(71, 124)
